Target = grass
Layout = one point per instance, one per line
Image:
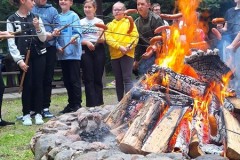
(15, 140)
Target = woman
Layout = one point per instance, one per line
(93, 57)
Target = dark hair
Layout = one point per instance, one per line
(155, 5)
(94, 3)
(14, 2)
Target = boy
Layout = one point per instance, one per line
(71, 55)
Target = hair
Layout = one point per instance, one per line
(148, 1)
(155, 5)
(14, 2)
(94, 3)
(124, 7)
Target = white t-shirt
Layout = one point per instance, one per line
(89, 31)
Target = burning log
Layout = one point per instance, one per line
(233, 133)
(194, 149)
(159, 138)
(208, 65)
(181, 83)
(116, 117)
(142, 125)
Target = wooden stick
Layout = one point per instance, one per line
(24, 73)
(70, 42)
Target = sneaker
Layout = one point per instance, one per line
(20, 118)
(38, 119)
(27, 120)
(69, 109)
(46, 113)
(5, 123)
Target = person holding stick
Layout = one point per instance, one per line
(49, 15)
(3, 34)
(146, 23)
(121, 45)
(93, 58)
(69, 54)
(30, 39)
(230, 30)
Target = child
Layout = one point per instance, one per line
(93, 59)
(27, 23)
(2, 122)
(71, 55)
(49, 15)
(121, 53)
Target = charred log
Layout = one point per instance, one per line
(208, 65)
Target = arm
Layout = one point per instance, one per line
(15, 53)
(40, 29)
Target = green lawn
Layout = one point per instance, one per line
(14, 140)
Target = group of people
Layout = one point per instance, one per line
(44, 33)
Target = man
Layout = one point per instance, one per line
(156, 8)
(146, 23)
(230, 30)
(49, 16)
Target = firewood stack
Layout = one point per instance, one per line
(168, 112)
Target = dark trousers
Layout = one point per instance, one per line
(93, 67)
(48, 76)
(32, 93)
(72, 81)
(1, 92)
(122, 69)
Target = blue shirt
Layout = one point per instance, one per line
(73, 51)
(50, 18)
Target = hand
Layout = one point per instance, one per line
(123, 49)
(56, 33)
(220, 27)
(36, 24)
(73, 40)
(135, 65)
(23, 66)
(90, 46)
(60, 50)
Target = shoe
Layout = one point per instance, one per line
(69, 109)
(47, 114)
(38, 119)
(32, 114)
(6, 123)
(27, 120)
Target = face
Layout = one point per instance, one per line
(118, 11)
(157, 10)
(65, 5)
(40, 2)
(27, 4)
(143, 7)
(89, 10)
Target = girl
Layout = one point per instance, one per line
(93, 58)
(27, 23)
